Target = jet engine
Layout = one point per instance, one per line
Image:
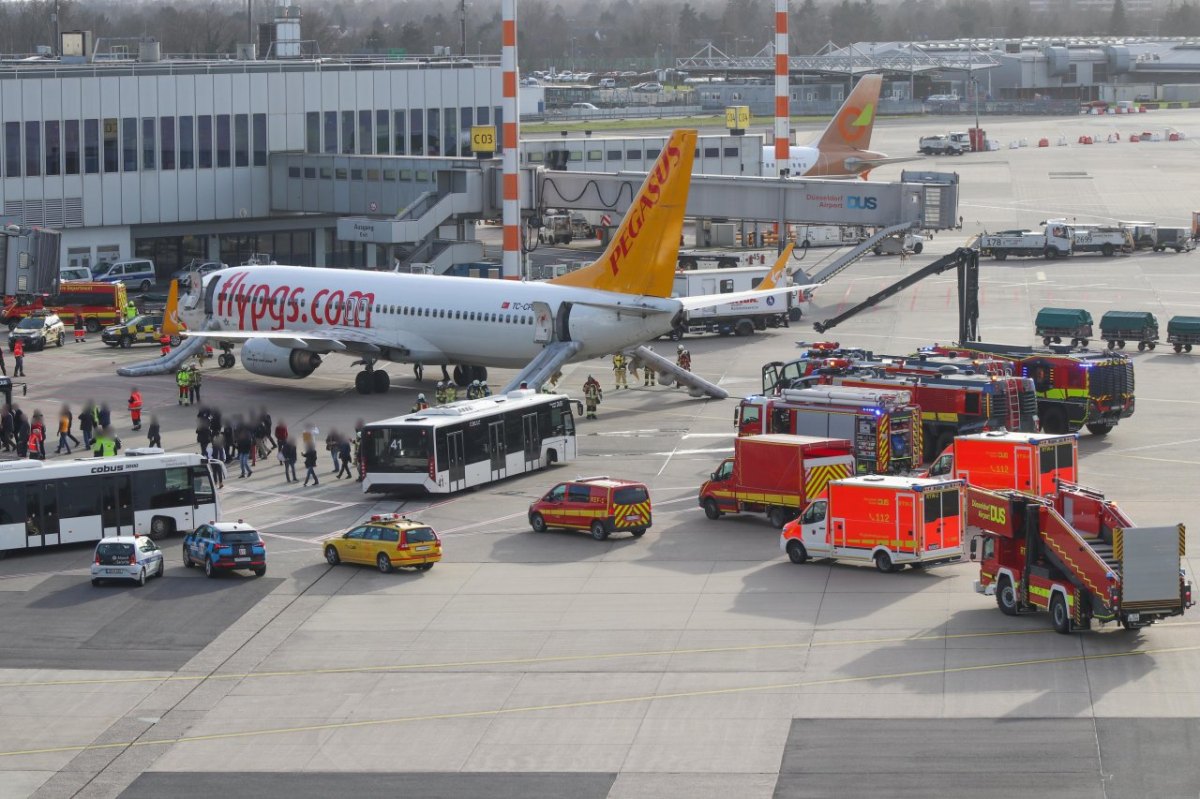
(261, 357)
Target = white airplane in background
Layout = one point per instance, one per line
(288, 317)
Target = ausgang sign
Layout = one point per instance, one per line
(376, 231)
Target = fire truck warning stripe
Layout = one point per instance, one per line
(1182, 541)
(621, 700)
(818, 478)
(1119, 545)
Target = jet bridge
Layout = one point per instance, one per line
(930, 203)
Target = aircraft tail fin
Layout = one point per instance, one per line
(778, 272)
(171, 323)
(642, 257)
(851, 126)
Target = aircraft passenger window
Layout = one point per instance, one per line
(507, 319)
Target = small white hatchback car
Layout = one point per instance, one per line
(127, 557)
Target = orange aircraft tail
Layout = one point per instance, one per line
(851, 126)
(642, 256)
(778, 272)
(171, 324)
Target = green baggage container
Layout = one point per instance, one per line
(1183, 332)
(1118, 327)
(1055, 324)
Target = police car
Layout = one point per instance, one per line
(141, 329)
(127, 557)
(225, 546)
(38, 330)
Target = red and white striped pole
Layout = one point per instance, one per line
(782, 90)
(510, 136)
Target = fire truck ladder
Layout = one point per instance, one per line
(965, 260)
(1012, 399)
(860, 250)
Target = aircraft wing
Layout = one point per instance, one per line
(712, 300)
(349, 340)
(632, 307)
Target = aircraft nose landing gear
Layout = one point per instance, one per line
(226, 359)
(369, 381)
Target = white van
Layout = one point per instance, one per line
(136, 273)
(74, 274)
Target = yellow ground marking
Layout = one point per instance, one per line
(468, 714)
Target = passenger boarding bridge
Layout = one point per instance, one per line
(429, 204)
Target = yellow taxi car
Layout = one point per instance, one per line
(387, 541)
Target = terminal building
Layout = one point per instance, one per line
(170, 159)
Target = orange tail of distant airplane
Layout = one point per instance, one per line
(778, 272)
(851, 127)
(171, 324)
(642, 255)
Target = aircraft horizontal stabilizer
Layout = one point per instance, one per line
(856, 165)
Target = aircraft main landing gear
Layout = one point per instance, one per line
(369, 381)
(463, 375)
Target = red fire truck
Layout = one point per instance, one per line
(1092, 389)
(888, 520)
(775, 474)
(1076, 555)
(100, 304)
(884, 426)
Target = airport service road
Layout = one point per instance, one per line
(694, 662)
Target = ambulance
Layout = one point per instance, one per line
(886, 520)
(1032, 463)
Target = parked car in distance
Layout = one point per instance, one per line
(74, 274)
(136, 273)
(387, 541)
(584, 107)
(225, 546)
(38, 330)
(203, 268)
(648, 88)
(127, 557)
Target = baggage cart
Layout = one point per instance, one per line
(1055, 324)
(1183, 332)
(1117, 327)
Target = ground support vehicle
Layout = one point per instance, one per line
(945, 144)
(1055, 324)
(1056, 241)
(952, 403)
(600, 505)
(884, 426)
(1093, 388)
(1183, 332)
(776, 475)
(387, 541)
(702, 259)
(1178, 239)
(556, 229)
(908, 243)
(133, 558)
(225, 546)
(98, 303)
(828, 235)
(888, 520)
(1076, 555)
(1117, 327)
(1103, 239)
(1144, 234)
(739, 318)
(1034, 463)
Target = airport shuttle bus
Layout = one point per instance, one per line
(470, 443)
(144, 492)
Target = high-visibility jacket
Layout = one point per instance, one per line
(135, 401)
(183, 378)
(18, 348)
(104, 446)
(193, 377)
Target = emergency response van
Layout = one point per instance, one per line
(600, 505)
(1032, 463)
(775, 474)
(890, 521)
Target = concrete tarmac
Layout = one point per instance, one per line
(694, 662)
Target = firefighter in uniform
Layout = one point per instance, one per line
(649, 376)
(619, 370)
(420, 404)
(164, 343)
(183, 380)
(683, 359)
(194, 383)
(131, 311)
(592, 396)
(135, 408)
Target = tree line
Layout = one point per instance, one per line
(572, 34)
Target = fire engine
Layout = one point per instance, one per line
(1092, 389)
(1077, 555)
(884, 426)
(889, 520)
(776, 475)
(100, 304)
(952, 402)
